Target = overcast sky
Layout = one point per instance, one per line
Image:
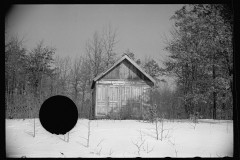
(68, 27)
(141, 28)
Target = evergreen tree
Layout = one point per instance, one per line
(201, 54)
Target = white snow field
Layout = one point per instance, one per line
(122, 138)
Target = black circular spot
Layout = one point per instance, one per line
(58, 114)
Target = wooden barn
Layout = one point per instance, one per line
(122, 87)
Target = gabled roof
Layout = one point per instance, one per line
(119, 61)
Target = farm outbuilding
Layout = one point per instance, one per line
(122, 89)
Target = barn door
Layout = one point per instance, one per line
(101, 100)
(113, 99)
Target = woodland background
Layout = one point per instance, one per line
(200, 61)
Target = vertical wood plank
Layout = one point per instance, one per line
(141, 102)
(119, 98)
(106, 98)
(117, 72)
(134, 92)
(120, 71)
(129, 92)
(125, 71)
(94, 100)
(130, 72)
(127, 68)
(123, 68)
(108, 93)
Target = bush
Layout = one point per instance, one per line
(150, 113)
(129, 111)
(125, 113)
(194, 117)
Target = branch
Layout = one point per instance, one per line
(99, 152)
(63, 154)
(176, 152)
(194, 126)
(140, 132)
(111, 151)
(172, 142)
(138, 146)
(147, 149)
(100, 142)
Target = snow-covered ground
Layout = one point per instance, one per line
(122, 138)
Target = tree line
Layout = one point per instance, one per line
(200, 61)
(32, 76)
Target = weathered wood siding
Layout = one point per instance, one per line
(125, 71)
(124, 82)
(112, 95)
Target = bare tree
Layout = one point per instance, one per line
(100, 50)
(39, 60)
(94, 52)
(100, 55)
(139, 145)
(85, 84)
(88, 132)
(63, 66)
(75, 77)
(108, 43)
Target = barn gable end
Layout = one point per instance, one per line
(125, 71)
(113, 88)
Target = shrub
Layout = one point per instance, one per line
(194, 117)
(150, 113)
(125, 113)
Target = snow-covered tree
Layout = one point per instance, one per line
(201, 53)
